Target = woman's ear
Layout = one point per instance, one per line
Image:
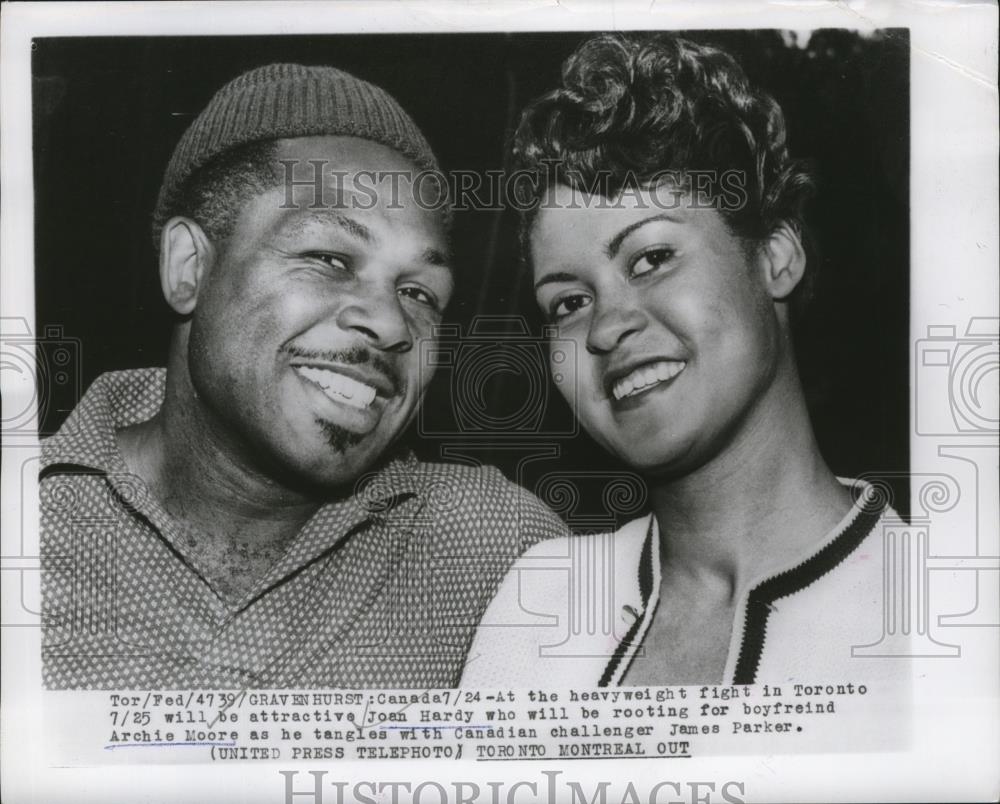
(784, 261)
(186, 254)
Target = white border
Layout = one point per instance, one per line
(954, 226)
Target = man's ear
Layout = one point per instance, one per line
(186, 254)
(784, 261)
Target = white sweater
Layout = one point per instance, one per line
(572, 611)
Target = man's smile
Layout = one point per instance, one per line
(339, 387)
(339, 400)
(349, 388)
(357, 382)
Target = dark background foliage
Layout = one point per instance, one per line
(108, 111)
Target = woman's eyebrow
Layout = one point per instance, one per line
(555, 276)
(615, 243)
(437, 257)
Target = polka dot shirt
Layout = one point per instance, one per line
(380, 590)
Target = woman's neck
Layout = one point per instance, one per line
(767, 497)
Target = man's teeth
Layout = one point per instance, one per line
(338, 387)
(645, 376)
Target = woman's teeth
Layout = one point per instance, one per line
(645, 376)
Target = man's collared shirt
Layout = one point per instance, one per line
(382, 589)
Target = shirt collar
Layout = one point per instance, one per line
(117, 399)
(114, 400)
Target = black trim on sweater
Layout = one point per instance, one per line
(791, 581)
(646, 591)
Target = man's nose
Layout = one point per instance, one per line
(614, 320)
(378, 315)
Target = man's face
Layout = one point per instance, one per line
(677, 335)
(303, 343)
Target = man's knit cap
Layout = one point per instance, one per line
(283, 101)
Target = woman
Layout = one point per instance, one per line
(666, 240)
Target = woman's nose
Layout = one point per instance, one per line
(614, 321)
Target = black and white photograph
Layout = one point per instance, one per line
(524, 395)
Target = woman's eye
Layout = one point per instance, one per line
(420, 296)
(567, 305)
(650, 261)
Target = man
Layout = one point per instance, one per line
(243, 517)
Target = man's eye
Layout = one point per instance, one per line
(334, 261)
(650, 261)
(421, 296)
(567, 305)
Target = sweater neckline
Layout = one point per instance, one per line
(752, 612)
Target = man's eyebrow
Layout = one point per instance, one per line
(323, 216)
(430, 255)
(615, 243)
(555, 276)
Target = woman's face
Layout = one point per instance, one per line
(677, 338)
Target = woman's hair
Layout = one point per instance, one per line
(632, 109)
